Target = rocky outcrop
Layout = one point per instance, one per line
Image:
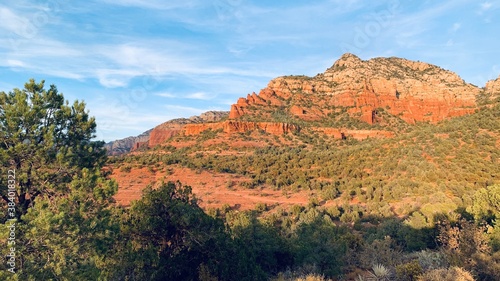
(492, 88)
(209, 116)
(165, 131)
(161, 132)
(241, 127)
(414, 91)
(342, 133)
(369, 90)
(174, 127)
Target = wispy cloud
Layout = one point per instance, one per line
(13, 22)
(200, 96)
(456, 26)
(165, 95)
(486, 6)
(152, 4)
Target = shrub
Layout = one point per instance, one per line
(450, 274)
(409, 271)
(125, 168)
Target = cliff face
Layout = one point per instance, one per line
(241, 127)
(414, 91)
(493, 87)
(355, 134)
(161, 132)
(175, 127)
(160, 135)
(371, 90)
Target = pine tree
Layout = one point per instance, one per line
(46, 141)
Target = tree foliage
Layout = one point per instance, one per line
(486, 203)
(167, 236)
(64, 200)
(47, 141)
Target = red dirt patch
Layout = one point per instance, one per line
(213, 190)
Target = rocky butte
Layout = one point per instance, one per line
(414, 91)
(407, 90)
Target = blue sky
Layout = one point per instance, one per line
(140, 63)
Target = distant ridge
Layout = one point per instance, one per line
(125, 145)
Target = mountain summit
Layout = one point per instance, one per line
(414, 91)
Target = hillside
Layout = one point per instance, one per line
(356, 98)
(385, 169)
(302, 133)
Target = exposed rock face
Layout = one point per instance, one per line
(209, 116)
(493, 87)
(241, 127)
(174, 127)
(412, 91)
(160, 135)
(165, 131)
(161, 132)
(356, 134)
(125, 145)
(415, 91)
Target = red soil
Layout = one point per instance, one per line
(213, 190)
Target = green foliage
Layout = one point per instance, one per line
(166, 236)
(46, 140)
(486, 203)
(409, 271)
(380, 273)
(64, 222)
(64, 237)
(69, 227)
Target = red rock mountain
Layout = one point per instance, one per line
(355, 89)
(414, 91)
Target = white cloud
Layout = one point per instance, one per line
(456, 26)
(15, 63)
(486, 6)
(200, 96)
(113, 78)
(165, 95)
(14, 23)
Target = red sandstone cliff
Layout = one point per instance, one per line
(412, 91)
(355, 134)
(174, 127)
(161, 133)
(241, 127)
(415, 91)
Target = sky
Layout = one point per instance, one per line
(139, 63)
